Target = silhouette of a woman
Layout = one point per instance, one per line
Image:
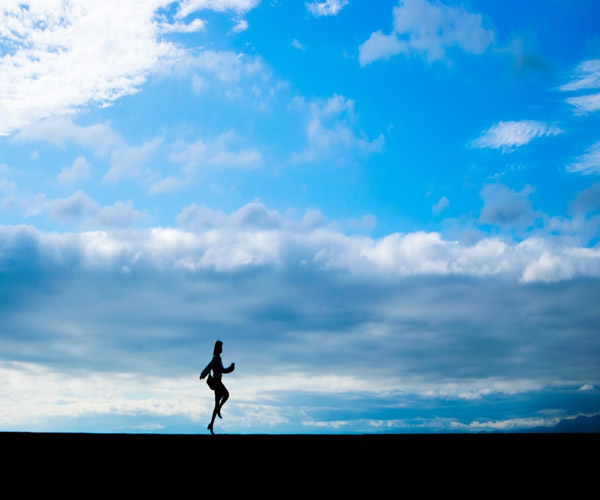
(221, 392)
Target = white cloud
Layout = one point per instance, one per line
(254, 236)
(119, 215)
(81, 208)
(80, 170)
(332, 131)
(220, 152)
(166, 185)
(177, 27)
(588, 163)
(513, 134)
(297, 45)
(586, 387)
(585, 76)
(326, 7)
(126, 162)
(440, 205)
(240, 26)
(188, 7)
(99, 137)
(428, 29)
(380, 46)
(585, 103)
(76, 206)
(65, 55)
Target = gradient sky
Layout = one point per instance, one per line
(388, 211)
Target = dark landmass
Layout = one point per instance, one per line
(268, 462)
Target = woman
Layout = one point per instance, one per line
(221, 393)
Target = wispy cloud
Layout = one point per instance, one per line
(427, 29)
(513, 134)
(586, 76)
(587, 163)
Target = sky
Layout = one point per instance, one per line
(388, 211)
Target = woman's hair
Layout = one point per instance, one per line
(218, 347)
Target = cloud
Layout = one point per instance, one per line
(256, 237)
(586, 103)
(64, 56)
(166, 185)
(219, 153)
(240, 26)
(332, 132)
(80, 208)
(428, 30)
(586, 76)
(513, 134)
(178, 27)
(126, 162)
(76, 206)
(326, 7)
(587, 201)
(587, 163)
(79, 171)
(119, 215)
(505, 207)
(380, 46)
(113, 322)
(187, 7)
(60, 131)
(440, 205)
(297, 45)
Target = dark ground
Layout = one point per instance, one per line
(350, 463)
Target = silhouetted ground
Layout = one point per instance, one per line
(305, 462)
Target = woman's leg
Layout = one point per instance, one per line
(215, 411)
(224, 394)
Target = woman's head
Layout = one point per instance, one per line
(218, 347)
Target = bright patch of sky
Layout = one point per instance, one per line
(393, 203)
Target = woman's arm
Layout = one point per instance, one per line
(207, 369)
(229, 369)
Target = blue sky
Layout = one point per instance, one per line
(388, 211)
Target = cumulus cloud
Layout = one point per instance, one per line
(587, 163)
(255, 236)
(326, 7)
(332, 131)
(80, 208)
(427, 29)
(513, 134)
(79, 171)
(506, 207)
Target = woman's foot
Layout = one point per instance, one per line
(219, 414)
(210, 428)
